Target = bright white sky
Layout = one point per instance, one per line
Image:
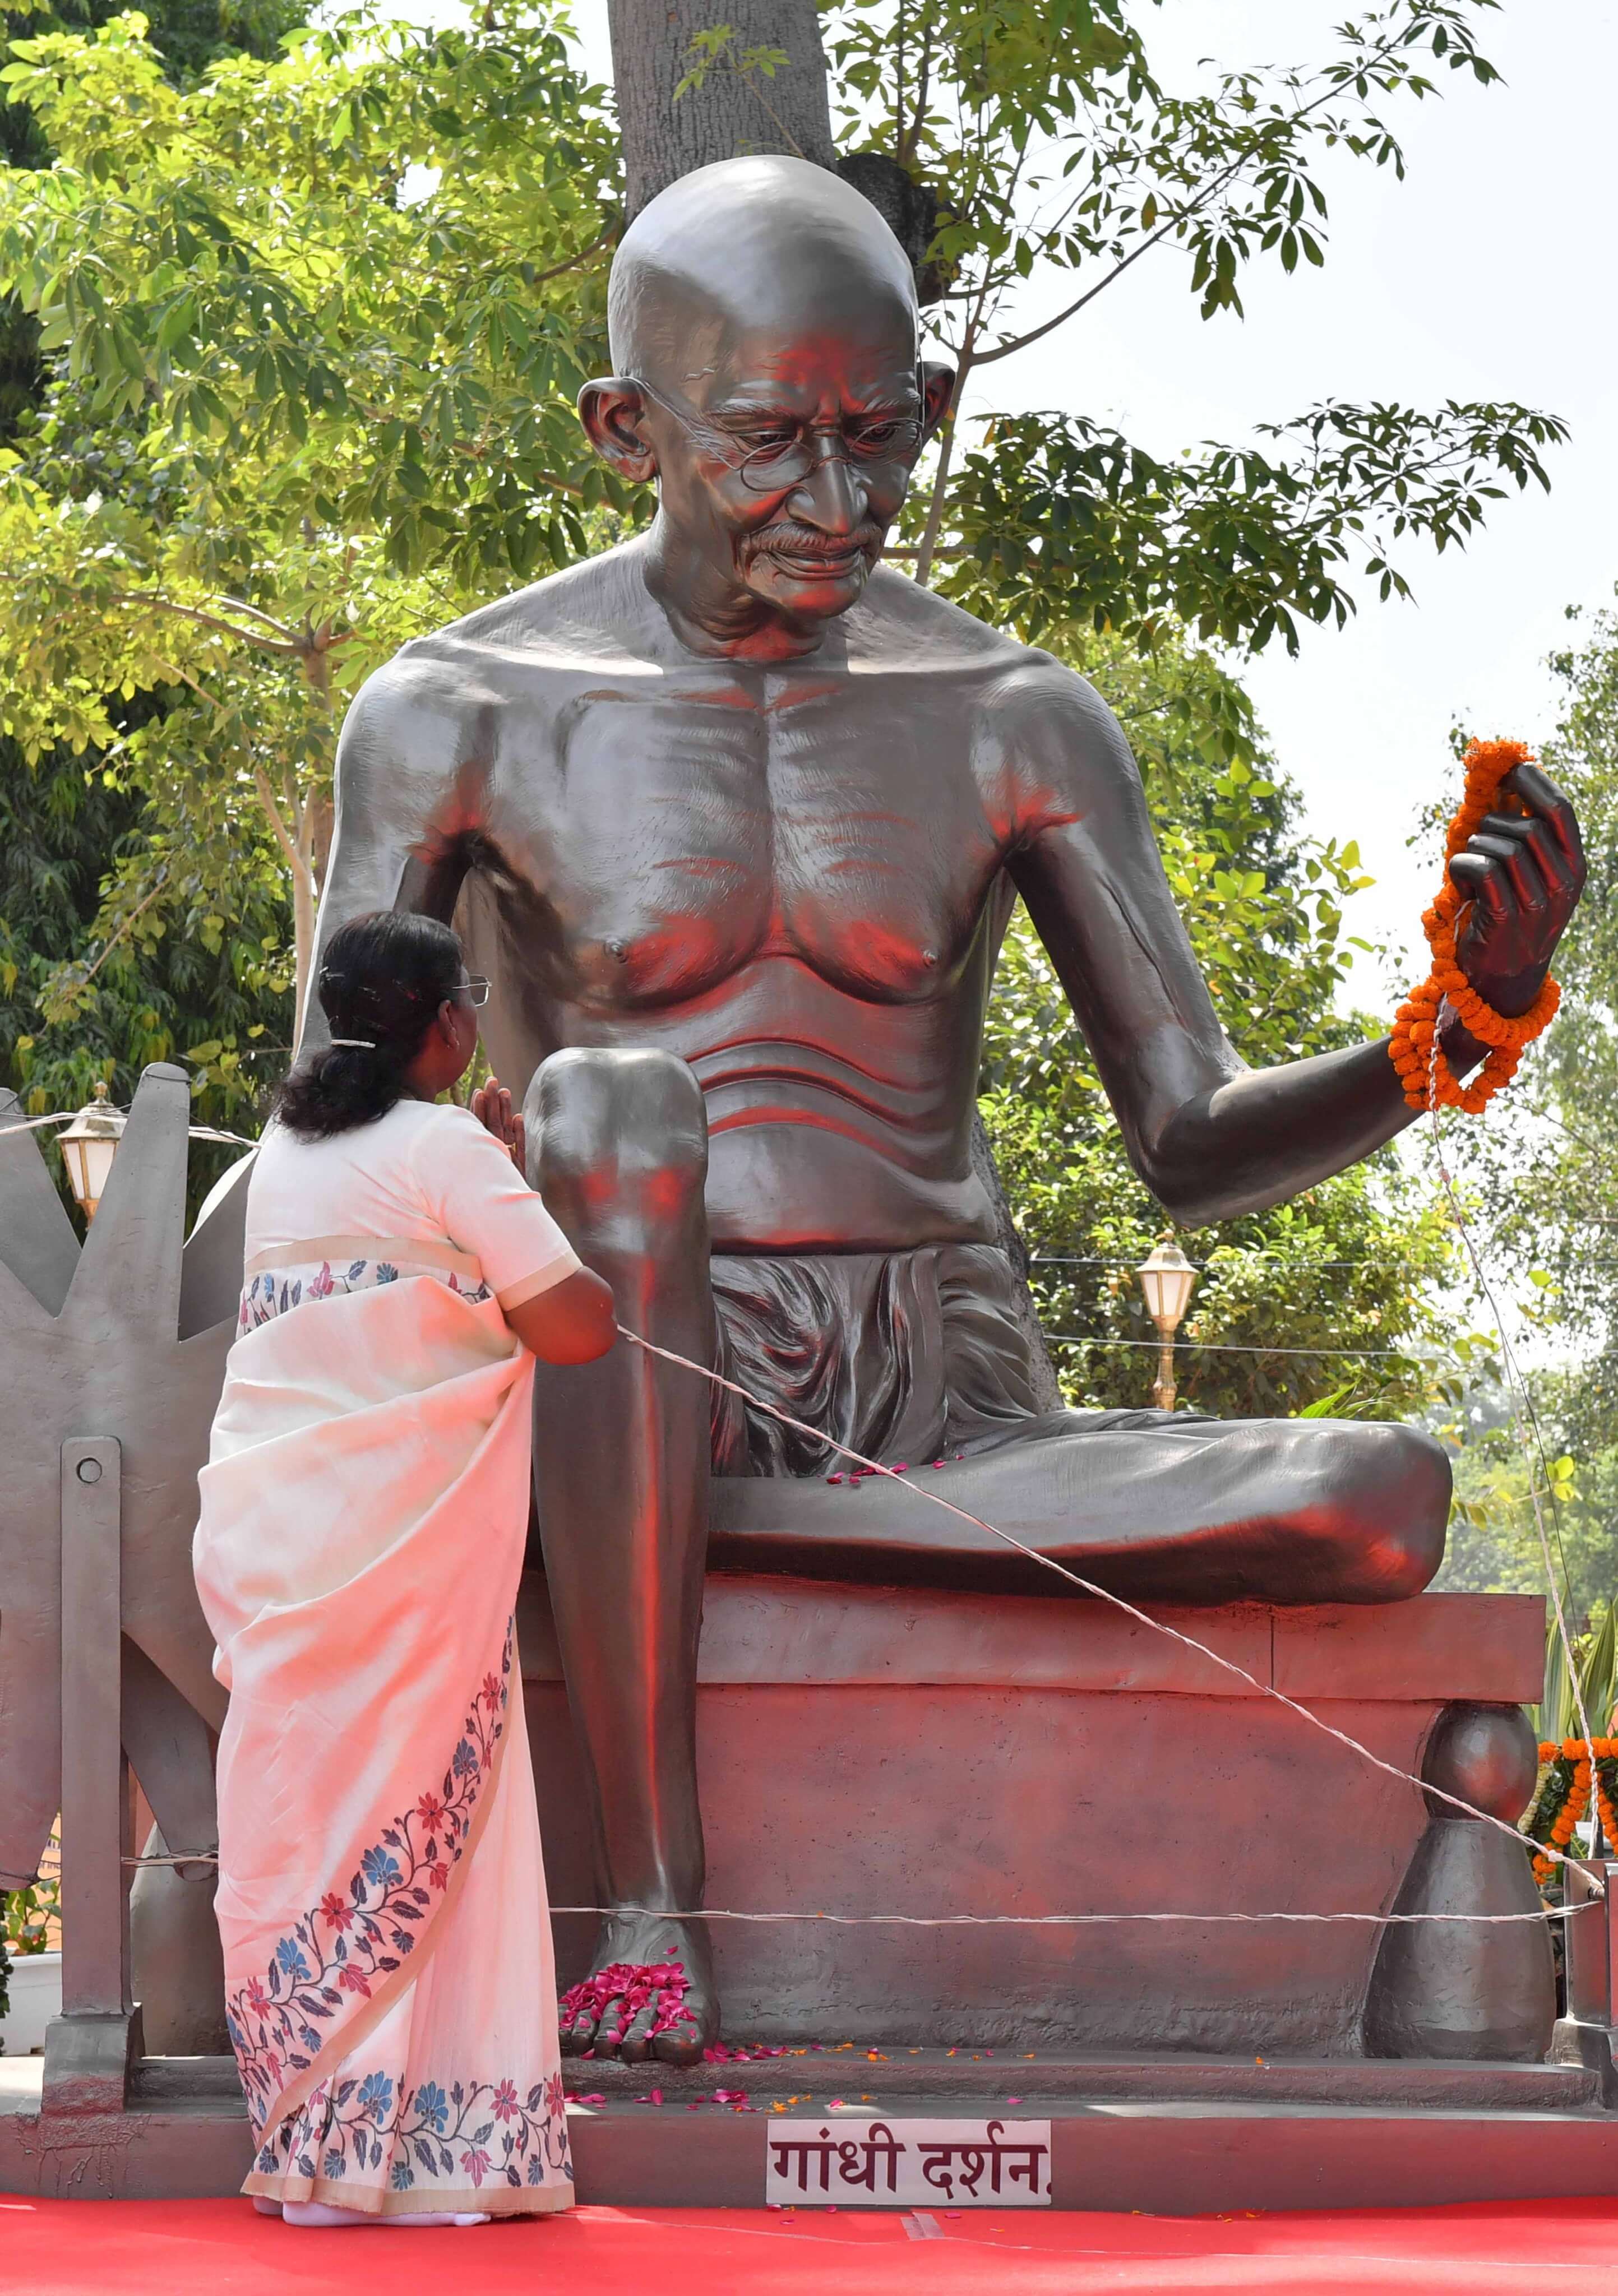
(1487, 274)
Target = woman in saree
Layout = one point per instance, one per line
(388, 1976)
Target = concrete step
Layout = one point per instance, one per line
(1164, 2155)
(160, 2083)
(1160, 2157)
(855, 2076)
(858, 2075)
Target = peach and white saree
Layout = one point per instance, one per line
(389, 1975)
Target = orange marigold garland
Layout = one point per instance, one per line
(1562, 1799)
(1426, 1076)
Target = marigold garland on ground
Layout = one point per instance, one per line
(1425, 1073)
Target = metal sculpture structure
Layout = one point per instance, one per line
(120, 1348)
(736, 816)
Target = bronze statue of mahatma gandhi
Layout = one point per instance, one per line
(735, 814)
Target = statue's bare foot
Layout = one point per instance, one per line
(650, 1993)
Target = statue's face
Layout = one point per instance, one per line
(792, 457)
(783, 445)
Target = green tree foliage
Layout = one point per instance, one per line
(141, 996)
(179, 976)
(1064, 519)
(1053, 152)
(316, 325)
(1558, 1211)
(1350, 1265)
(1544, 1181)
(312, 322)
(1494, 1540)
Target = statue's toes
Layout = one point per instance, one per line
(636, 2047)
(581, 2031)
(611, 2026)
(684, 2042)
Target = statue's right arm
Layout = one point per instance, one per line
(1210, 1136)
(405, 805)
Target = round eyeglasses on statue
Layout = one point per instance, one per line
(781, 462)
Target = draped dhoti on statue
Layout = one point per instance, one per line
(388, 1974)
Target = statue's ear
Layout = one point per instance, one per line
(610, 411)
(938, 381)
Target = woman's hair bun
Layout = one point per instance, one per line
(382, 980)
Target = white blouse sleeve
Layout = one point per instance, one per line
(484, 1206)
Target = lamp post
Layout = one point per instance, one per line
(1167, 1279)
(88, 1146)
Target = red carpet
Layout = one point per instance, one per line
(220, 2248)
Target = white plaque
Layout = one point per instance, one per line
(865, 2163)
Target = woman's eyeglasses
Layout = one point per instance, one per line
(778, 464)
(474, 989)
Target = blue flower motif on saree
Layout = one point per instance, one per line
(270, 1295)
(481, 2132)
(356, 1939)
(378, 1868)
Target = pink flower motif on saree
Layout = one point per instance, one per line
(479, 2129)
(349, 1944)
(278, 1290)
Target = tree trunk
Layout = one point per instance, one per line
(732, 112)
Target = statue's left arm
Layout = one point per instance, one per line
(1212, 1137)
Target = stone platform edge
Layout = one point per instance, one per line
(1162, 2159)
(1434, 1648)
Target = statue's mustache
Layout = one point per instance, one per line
(809, 542)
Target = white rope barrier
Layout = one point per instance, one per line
(1142, 1618)
(1056, 1920)
(66, 1116)
(1037, 1920)
(1103, 1593)
(1522, 1411)
(35, 1123)
(978, 1920)
(1246, 1348)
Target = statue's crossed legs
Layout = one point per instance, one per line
(914, 1356)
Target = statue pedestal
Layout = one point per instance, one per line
(867, 1750)
(864, 1750)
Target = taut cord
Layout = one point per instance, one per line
(1041, 1921)
(1522, 1406)
(1103, 1593)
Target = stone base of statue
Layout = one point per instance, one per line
(864, 1750)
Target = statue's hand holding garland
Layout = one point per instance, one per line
(1523, 873)
(1515, 870)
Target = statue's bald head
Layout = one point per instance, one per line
(764, 334)
(759, 244)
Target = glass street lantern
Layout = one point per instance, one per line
(88, 1146)
(1167, 1279)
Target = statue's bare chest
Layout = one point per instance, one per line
(679, 831)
